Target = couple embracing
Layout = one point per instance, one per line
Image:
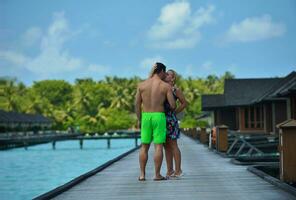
(156, 112)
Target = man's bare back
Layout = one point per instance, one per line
(152, 94)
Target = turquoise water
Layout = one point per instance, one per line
(25, 174)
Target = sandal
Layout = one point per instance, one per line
(160, 179)
(141, 179)
(170, 175)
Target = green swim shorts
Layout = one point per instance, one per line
(153, 127)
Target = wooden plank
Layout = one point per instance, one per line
(77, 180)
(207, 176)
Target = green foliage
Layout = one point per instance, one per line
(98, 106)
(57, 92)
(118, 119)
(188, 122)
(202, 124)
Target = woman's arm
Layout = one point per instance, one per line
(183, 102)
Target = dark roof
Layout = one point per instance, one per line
(288, 87)
(212, 101)
(283, 87)
(14, 117)
(240, 92)
(244, 91)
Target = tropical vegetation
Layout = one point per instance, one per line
(98, 106)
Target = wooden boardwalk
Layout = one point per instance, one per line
(208, 176)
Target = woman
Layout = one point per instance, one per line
(172, 150)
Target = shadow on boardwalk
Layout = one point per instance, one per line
(207, 176)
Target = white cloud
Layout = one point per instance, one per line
(13, 57)
(52, 61)
(53, 58)
(177, 27)
(253, 29)
(200, 18)
(172, 18)
(31, 36)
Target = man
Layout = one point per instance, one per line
(151, 94)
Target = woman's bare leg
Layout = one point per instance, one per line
(177, 156)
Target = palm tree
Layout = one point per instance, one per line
(123, 98)
(82, 99)
(124, 92)
(10, 95)
(96, 122)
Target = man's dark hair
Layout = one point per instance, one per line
(157, 68)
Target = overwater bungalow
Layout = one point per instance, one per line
(13, 121)
(253, 105)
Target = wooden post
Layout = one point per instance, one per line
(203, 136)
(287, 149)
(186, 131)
(191, 132)
(273, 118)
(198, 133)
(194, 132)
(108, 143)
(81, 143)
(222, 138)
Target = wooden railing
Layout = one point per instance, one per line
(24, 140)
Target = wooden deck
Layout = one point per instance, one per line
(208, 176)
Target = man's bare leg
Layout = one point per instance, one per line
(143, 157)
(169, 157)
(158, 157)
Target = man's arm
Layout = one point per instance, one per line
(138, 104)
(170, 97)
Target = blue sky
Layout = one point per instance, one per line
(75, 39)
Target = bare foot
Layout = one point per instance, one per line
(178, 174)
(142, 177)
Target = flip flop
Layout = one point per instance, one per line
(160, 179)
(141, 179)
